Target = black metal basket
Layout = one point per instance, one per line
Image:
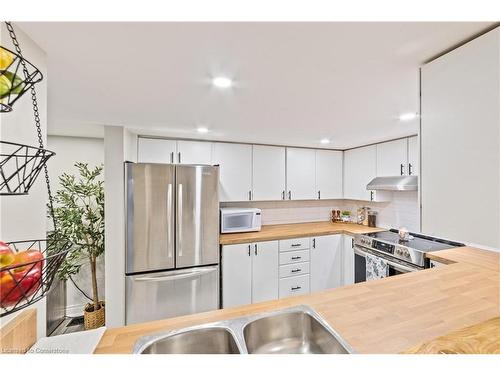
(23, 284)
(17, 75)
(20, 166)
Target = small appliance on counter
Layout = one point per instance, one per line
(235, 220)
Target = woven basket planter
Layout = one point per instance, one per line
(94, 319)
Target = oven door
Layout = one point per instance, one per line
(395, 267)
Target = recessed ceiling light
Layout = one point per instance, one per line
(202, 129)
(325, 141)
(222, 82)
(408, 116)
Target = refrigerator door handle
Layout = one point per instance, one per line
(179, 219)
(183, 275)
(170, 226)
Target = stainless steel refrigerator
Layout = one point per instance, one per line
(172, 245)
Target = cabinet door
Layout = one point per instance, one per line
(413, 156)
(155, 150)
(300, 173)
(329, 174)
(268, 173)
(347, 261)
(236, 275)
(392, 158)
(194, 152)
(326, 262)
(360, 166)
(265, 271)
(235, 171)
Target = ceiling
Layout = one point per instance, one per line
(295, 83)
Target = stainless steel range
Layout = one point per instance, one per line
(401, 256)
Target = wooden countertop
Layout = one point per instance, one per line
(284, 231)
(482, 338)
(389, 315)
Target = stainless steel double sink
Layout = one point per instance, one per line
(296, 330)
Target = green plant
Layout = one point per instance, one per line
(346, 213)
(79, 214)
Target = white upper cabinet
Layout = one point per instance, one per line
(268, 173)
(329, 174)
(235, 162)
(155, 150)
(301, 173)
(194, 152)
(413, 156)
(360, 167)
(392, 158)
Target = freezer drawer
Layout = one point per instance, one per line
(163, 295)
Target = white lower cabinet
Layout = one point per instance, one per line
(294, 286)
(348, 260)
(326, 262)
(249, 273)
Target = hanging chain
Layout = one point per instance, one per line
(36, 114)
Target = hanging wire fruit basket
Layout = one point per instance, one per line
(17, 75)
(28, 271)
(20, 166)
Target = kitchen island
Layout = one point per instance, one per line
(389, 315)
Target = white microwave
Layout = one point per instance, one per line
(234, 220)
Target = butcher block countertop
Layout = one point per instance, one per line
(403, 313)
(284, 231)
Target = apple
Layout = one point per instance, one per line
(30, 259)
(14, 286)
(7, 256)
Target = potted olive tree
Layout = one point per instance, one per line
(79, 214)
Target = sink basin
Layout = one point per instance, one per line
(197, 341)
(295, 330)
(290, 333)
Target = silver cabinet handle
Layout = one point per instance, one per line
(295, 244)
(319, 194)
(177, 276)
(249, 247)
(314, 243)
(296, 288)
(289, 194)
(371, 195)
(295, 258)
(255, 246)
(409, 169)
(170, 225)
(172, 157)
(295, 270)
(283, 195)
(179, 157)
(249, 195)
(402, 169)
(179, 219)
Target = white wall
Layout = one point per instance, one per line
(119, 146)
(23, 217)
(70, 150)
(402, 210)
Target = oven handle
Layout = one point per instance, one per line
(397, 266)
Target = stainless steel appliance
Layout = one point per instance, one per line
(234, 220)
(401, 256)
(172, 244)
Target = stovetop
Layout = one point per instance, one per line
(411, 251)
(418, 242)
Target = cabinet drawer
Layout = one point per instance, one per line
(289, 257)
(294, 244)
(294, 286)
(294, 269)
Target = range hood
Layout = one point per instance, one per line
(394, 183)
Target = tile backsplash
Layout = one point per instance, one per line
(402, 210)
